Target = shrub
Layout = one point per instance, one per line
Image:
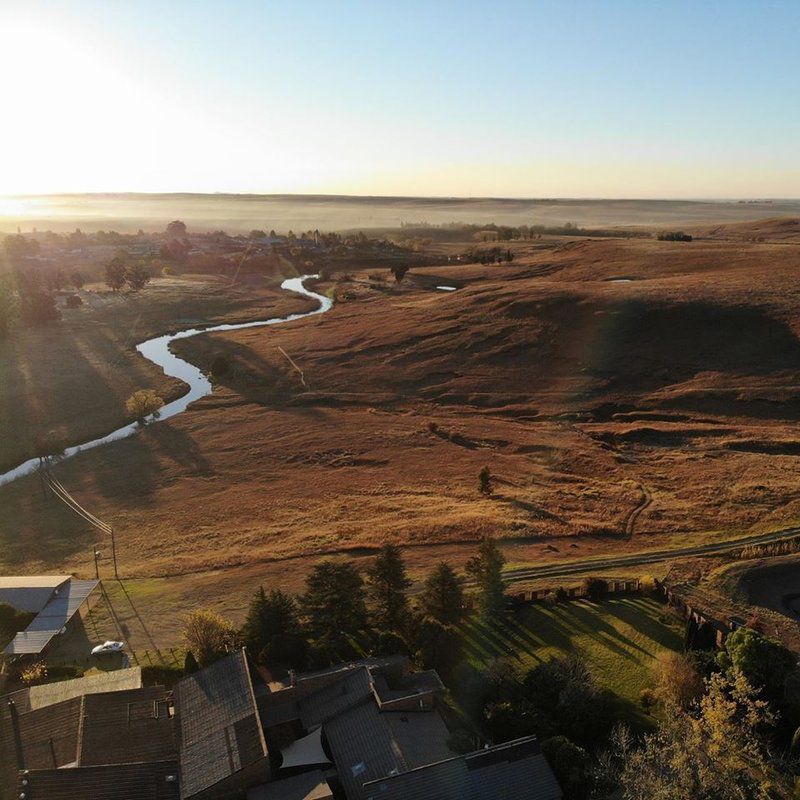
(595, 588)
(143, 403)
(34, 674)
(73, 301)
(647, 699)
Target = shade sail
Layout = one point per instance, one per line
(305, 752)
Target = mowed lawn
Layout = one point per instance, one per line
(619, 639)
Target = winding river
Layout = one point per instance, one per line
(157, 350)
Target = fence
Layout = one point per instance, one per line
(612, 588)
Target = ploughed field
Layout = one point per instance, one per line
(625, 394)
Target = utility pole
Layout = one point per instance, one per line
(114, 552)
(97, 555)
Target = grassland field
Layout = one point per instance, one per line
(583, 394)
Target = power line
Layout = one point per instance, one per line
(62, 494)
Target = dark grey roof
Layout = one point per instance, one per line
(127, 727)
(219, 729)
(353, 687)
(118, 782)
(513, 771)
(421, 736)
(363, 747)
(57, 612)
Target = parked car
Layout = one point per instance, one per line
(108, 647)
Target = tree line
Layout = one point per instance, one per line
(345, 613)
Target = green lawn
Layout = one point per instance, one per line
(619, 639)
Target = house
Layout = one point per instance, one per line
(58, 602)
(366, 730)
(202, 740)
(371, 730)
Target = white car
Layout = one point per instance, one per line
(108, 647)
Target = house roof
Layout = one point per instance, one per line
(126, 727)
(320, 706)
(151, 781)
(219, 728)
(29, 592)
(55, 614)
(514, 771)
(306, 786)
(36, 697)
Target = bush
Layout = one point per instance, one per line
(143, 403)
(162, 675)
(674, 236)
(34, 674)
(595, 588)
(647, 699)
(73, 301)
(390, 643)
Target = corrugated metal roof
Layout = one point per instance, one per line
(29, 592)
(52, 618)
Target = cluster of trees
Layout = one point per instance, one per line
(491, 255)
(674, 236)
(120, 272)
(343, 614)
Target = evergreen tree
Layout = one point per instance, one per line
(487, 570)
(272, 631)
(442, 598)
(334, 604)
(485, 481)
(387, 587)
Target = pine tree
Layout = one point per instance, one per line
(272, 630)
(487, 570)
(442, 598)
(387, 587)
(334, 604)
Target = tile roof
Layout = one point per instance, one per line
(127, 727)
(363, 747)
(513, 771)
(118, 782)
(219, 728)
(353, 687)
(306, 786)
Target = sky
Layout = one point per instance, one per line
(554, 98)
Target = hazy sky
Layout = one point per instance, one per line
(556, 98)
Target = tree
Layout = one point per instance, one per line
(764, 662)
(678, 684)
(387, 584)
(272, 630)
(137, 277)
(190, 665)
(399, 271)
(143, 403)
(442, 596)
(36, 304)
(258, 234)
(439, 646)
(208, 636)
(8, 306)
(334, 603)
(487, 570)
(115, 273)
(715, 752)
(571, 765)
(77, 280)
(176, 229)
(485, 481)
